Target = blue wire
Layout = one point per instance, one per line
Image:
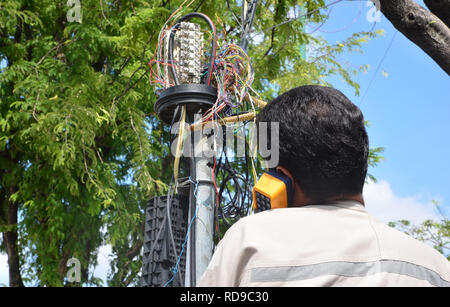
(174, 270)
(196, 186)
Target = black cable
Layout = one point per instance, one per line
(246, 165)
(234, 190)
(171, 41)
(236, 204)
(237, 192)
(172, 239)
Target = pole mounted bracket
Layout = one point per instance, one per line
(196, 97)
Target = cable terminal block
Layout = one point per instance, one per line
(187, 53)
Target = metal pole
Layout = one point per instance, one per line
(202, 205)
(205, 206)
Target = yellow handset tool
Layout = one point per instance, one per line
(273, 190)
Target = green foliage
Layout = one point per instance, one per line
(72, 131)
(435, 233)
(80, 148)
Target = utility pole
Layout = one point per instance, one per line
(184, 47)
(187, 95)
(202, 243)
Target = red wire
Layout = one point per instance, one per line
(214, 52)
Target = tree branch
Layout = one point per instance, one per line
(10, 239)
(440, 8)
(135, 249)
(271, 43)
(421, 27)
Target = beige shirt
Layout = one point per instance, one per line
(337, 244)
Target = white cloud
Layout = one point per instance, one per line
(382, 203)
(4, 275)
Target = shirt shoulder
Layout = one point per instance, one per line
(398, 246)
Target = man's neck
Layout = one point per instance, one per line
(305, 202)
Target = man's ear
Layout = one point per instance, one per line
(299, 198)
(283, 170)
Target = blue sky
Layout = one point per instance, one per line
(408, 110)
(409, 113)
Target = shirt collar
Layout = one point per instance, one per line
(348, 204)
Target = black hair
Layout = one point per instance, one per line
(322, 140)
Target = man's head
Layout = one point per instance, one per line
(323, 142)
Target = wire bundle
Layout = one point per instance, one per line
(228, 69)
(235, 196)
(233, 77)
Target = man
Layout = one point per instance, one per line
(326, 238)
